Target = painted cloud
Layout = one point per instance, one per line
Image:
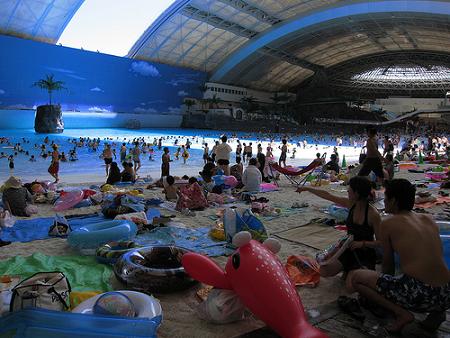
(174, 110)
(183, 93)
(140, 110)
(2, 92)
(97, 89)
(98, 109)
(145, 69)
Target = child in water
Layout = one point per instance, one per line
(11, 163)
(177, 153)
(151, 152)
(185, 155)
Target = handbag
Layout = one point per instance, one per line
(46, 290)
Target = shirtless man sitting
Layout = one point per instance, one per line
(424, 285)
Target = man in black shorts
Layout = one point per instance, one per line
(223, 151)
(373, 160)
(424, 285)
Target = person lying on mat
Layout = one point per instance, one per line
(362, 222)
(424, 285)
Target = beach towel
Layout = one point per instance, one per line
(439, 200)
(37, 228)
(196, 240)
(267, 187)
(313, 235)
(84, 273)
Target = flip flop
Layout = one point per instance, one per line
(351, 307)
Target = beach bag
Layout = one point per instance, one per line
(6, 219)
(222, 307)
(192, 198)
(362, 155)
(303, 271)
(60, 227)
(46, 290)
(249, 222)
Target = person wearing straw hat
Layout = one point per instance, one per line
(16, 197)
(53, 169)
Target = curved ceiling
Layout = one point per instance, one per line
(276, 44)
(40, 20)
(265, 44)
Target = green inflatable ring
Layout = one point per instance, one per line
(109, 253)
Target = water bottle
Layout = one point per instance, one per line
(229, 224)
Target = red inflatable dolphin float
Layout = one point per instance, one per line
(257, 276)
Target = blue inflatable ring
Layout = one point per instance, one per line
(88, 238)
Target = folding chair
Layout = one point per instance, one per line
(294, 175)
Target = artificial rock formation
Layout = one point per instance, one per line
(49, 119)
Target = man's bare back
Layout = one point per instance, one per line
(415, 238)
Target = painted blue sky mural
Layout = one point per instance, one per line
(94, 81)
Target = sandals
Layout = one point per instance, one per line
(351, 307)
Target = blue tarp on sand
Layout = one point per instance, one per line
(37, 228)
(197, 240)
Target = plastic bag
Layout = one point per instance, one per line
(221, 307)
(303, 271)
(60, 227)
(6, 219)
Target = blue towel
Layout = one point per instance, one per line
(37, 228)
(197, 240)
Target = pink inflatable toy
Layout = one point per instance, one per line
(273, 298)
(68, 200)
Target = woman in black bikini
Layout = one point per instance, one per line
(362, 222)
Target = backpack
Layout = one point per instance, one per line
(46, 290)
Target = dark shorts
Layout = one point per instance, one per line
(358, 259)
(413, 294)
(249, 155)
(108, 160)
(372, 164)
(205, 156)
(223, 162)
(165, 168)
(54, 168)
(283, 157)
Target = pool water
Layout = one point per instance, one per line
(90, 167)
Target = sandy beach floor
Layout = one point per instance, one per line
(179, 310)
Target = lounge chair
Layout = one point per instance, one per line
(294, 175)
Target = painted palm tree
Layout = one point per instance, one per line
(215, 101)
(189, 103)
(50, 85)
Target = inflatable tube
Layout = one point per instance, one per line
(154, 269)
(438, 177)
(438, 161)
(407, 165)
(110, 252)
(146, 306)
(68, 200)
(89, 237)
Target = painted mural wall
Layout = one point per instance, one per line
(97, 84)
